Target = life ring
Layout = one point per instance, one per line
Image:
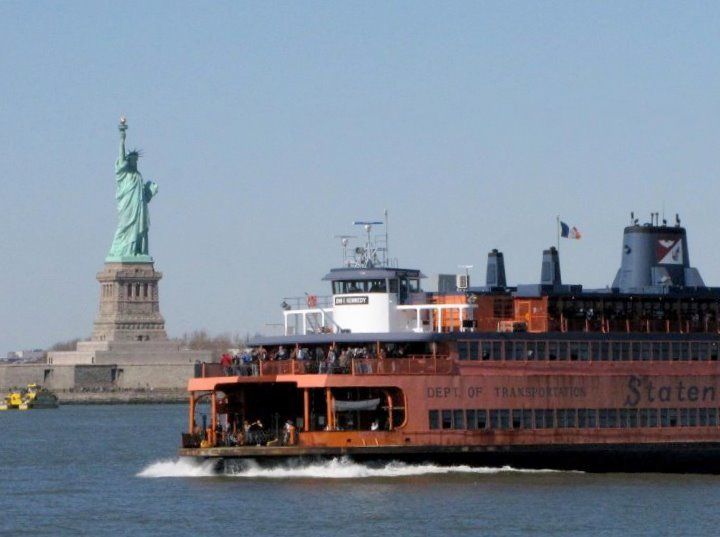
(312, 301)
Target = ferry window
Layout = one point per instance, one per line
(714, 352)
(497, 350)
(587, 418)
(340, 287)
(601, 350)
(462, 350)
(694, 354)
(414, 285)
(684, 416)
(648, 417)
(519, 351)
(707, 416)
(471, 419)
(458, 419)
(703, 416)
(550, 418)
(486, 350)
(562, 350)
(393, 286)
(509, 350)
(474, 350)
(566, 417)
(628, 418)
(505, 419)
(703, 351)
(517, 418)
(684, 352)
(503, 308)
(434, 419)
(662, 351)
(482, 421)
(552, 350)
(583, 351)
(608, 418)
(574, 347)
(540, 347)
(447, 419)
(527, 418)
(621, 351)
(645, 351)
(668, 417)
(544, 418)
(499, 419)
(688, 417)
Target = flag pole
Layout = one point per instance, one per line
(558, 233)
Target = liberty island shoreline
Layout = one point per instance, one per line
(124, 397)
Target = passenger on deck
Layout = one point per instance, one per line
(226, 364)
(289, 433)
(246, 432)
(331, 360)
(257, 433)
(343, 361)
(375, 425)
(247, 363)
(282, 353)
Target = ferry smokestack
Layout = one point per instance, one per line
(495, 274)
(655, 258)
(550, 273)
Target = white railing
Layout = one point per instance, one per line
(312, 320)
(438, 309)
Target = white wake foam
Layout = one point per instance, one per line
(182, 467)
(347, 469)
(342, 468)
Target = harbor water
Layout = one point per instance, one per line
(112, 470)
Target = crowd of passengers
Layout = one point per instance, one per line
(330, 359)
(254, 434)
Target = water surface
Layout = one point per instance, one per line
(112, 470)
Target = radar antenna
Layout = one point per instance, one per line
(367, 256)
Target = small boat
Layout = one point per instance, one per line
(33, 396)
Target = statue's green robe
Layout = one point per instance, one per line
(132, 195)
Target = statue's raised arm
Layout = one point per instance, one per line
(122, 128)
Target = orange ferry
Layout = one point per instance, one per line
(546, 375)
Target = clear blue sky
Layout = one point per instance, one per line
(270, 127)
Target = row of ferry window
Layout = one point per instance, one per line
(616, 351)
(581, 418)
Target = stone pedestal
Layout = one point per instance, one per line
(129, 331)
(129, 304)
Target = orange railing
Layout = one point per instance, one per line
(416, 365)
(411, 365)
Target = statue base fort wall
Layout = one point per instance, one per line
(129, 348)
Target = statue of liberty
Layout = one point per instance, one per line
(133, 195)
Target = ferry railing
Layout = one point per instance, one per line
(417, 364)
(212, 370)
(281, 367)
(414, 365)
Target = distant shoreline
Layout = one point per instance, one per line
(129, 397)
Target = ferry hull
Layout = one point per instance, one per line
(666, 458)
